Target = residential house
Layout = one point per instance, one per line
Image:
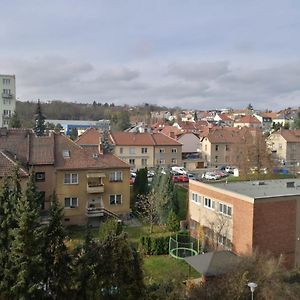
(266, 122)
(89, 184)
(139, 150)
(285, 145)
(224, 119)
(245, 216)
(248, 121)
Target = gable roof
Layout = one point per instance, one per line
(248, 120)
(292, 136)
(90, 136)
(121, 138)
(7, 165)
(225, 135)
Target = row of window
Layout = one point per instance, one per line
(6, 91)
(144, 150)
(6, 81)
(73, 178)
(222, 208)
(144, 161)
(217, 147)
(73, 202)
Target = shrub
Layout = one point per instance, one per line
(155, 245)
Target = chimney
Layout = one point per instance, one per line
(100, 146)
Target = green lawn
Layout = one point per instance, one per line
(163, 267)
(260, 177)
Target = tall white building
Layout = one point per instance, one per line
(7, 98)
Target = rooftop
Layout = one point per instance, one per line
(263, 188)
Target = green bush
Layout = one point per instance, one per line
(155, 245)
(173, 222)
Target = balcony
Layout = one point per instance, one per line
(95, 188)
(7, 96)
(95, 183)
(99, 211)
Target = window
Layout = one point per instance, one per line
(71, 178)
(7, 101)
(66, 153)
(121, 150)
(132, 161)
(227, 147)
(144, 162)
(216, 158)
(174, 150)
(71, 202)
(174, 161)
(162, 161)
(7, 113)
(40, 176)
(6, 81)
(6, 91)
(115, 199)
(209, 203)
(116, 176)
(225, 209)
(224, 241)
(217, 147)
(131, 150)
(196, 198)
(162, 150)
(144, 150)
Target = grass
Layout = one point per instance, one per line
(163, 267)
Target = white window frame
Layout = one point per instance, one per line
(73, 178)
(196, 198)
(225, 209)
(162, 150)
(121, 150)
(209, 203)
(116, 176)
(162, 161)
(144, 162)
(131, 161)
(174, 150)
(74, 202)
(174, 161)
(115, 196)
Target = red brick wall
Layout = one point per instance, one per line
(242, 218)
(275, 228)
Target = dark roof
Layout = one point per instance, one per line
(213, 263)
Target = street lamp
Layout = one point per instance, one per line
(252, 286)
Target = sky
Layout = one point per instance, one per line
(198, 54)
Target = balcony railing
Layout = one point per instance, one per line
(100, 212)
(7, 96)
(95, 188)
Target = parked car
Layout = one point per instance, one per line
(183, 178)
(191, 176)
(179, 170)
(211, 176)
(175, 178)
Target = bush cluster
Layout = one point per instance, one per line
(155, 245)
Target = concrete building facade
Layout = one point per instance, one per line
(7, 98)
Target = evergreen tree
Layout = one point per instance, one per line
(297, 121)
(74, 134)
(39, 118)
(107, 146)
(10, 196)
(14, 122)
(56, 257)
(26, 249)
(173, 222)
(140, 185)
(195, 116)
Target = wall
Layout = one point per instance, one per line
(168, 155)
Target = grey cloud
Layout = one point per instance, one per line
(196, 71)
(118, 74)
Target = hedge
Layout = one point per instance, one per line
(155, 245)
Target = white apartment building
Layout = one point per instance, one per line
(7, 98)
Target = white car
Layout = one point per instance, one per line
(212, 176)
(179, 170)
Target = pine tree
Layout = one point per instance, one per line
(10, 196)
(56, 257)
(74, 134)
(14, 121)
(39, 118)
(140, 185)
(26, 249)
(107, 146)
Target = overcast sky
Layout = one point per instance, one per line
(189, 53)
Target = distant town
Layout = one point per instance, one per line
(180, 201)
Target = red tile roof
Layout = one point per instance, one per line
(7, 165)
(91, 136)
(121, 138)
(248, 120)
(292, 136)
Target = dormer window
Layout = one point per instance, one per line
(66, 153)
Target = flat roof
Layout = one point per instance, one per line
(263, 188)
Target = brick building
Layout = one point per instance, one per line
(244, 216)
